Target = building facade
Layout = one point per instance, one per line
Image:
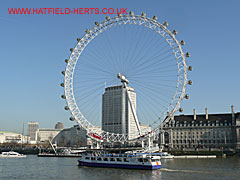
(203, 131)
(117, 115)
(44, 135)
(74, 136)
(11, 137)
(32, 128)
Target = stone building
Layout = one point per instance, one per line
(203, 131)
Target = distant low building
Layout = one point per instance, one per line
(204, 131)
(44, 135)
(11, 137)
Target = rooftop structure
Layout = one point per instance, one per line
(59, 125)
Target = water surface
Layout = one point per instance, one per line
(50, 168)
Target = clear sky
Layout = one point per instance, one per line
(33, 49)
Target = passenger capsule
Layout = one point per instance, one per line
(96, 23)
(131, 13)
(108, 18)
(119, 15)
(62, 84)
(175, 32)
(190, 68)
(190, 82)
(71, 118)
(66, 108)
(63, 72)
(155, 18)
(63, 96)
(71, 49)
(187, 54)
(143, 14)
(78, 39)
(180, 110)
(182, 42)
(87, 31)
(186, 96)
(66, 60)
(165, 23)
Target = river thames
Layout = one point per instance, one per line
(33, 167)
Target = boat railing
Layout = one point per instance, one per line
(135, 155)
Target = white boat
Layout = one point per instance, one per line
(11, 154)
(165, 155)
(162, 155)
(132, 161)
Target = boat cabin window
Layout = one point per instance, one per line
(154, 160)
(86, 157)
(99, 159)
(105, 159)
(126, 160)
(146, 160)
(140, 159)
(119, 159)
(112, 159)
(93, 158)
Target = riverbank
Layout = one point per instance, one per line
(206, 153)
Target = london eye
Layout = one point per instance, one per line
(137, 54)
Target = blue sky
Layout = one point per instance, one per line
(33, 49)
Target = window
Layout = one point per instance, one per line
(112, 159)
(140, 160)
(99, 159)
(146, 160)
(126, 160)
(119, 159)
(93, 158)
(105, 159)
(86, 157)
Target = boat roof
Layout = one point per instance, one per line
(138, 155)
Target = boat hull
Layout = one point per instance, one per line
(111, 165)
(23, 156)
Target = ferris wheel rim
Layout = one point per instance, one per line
(88, 37)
